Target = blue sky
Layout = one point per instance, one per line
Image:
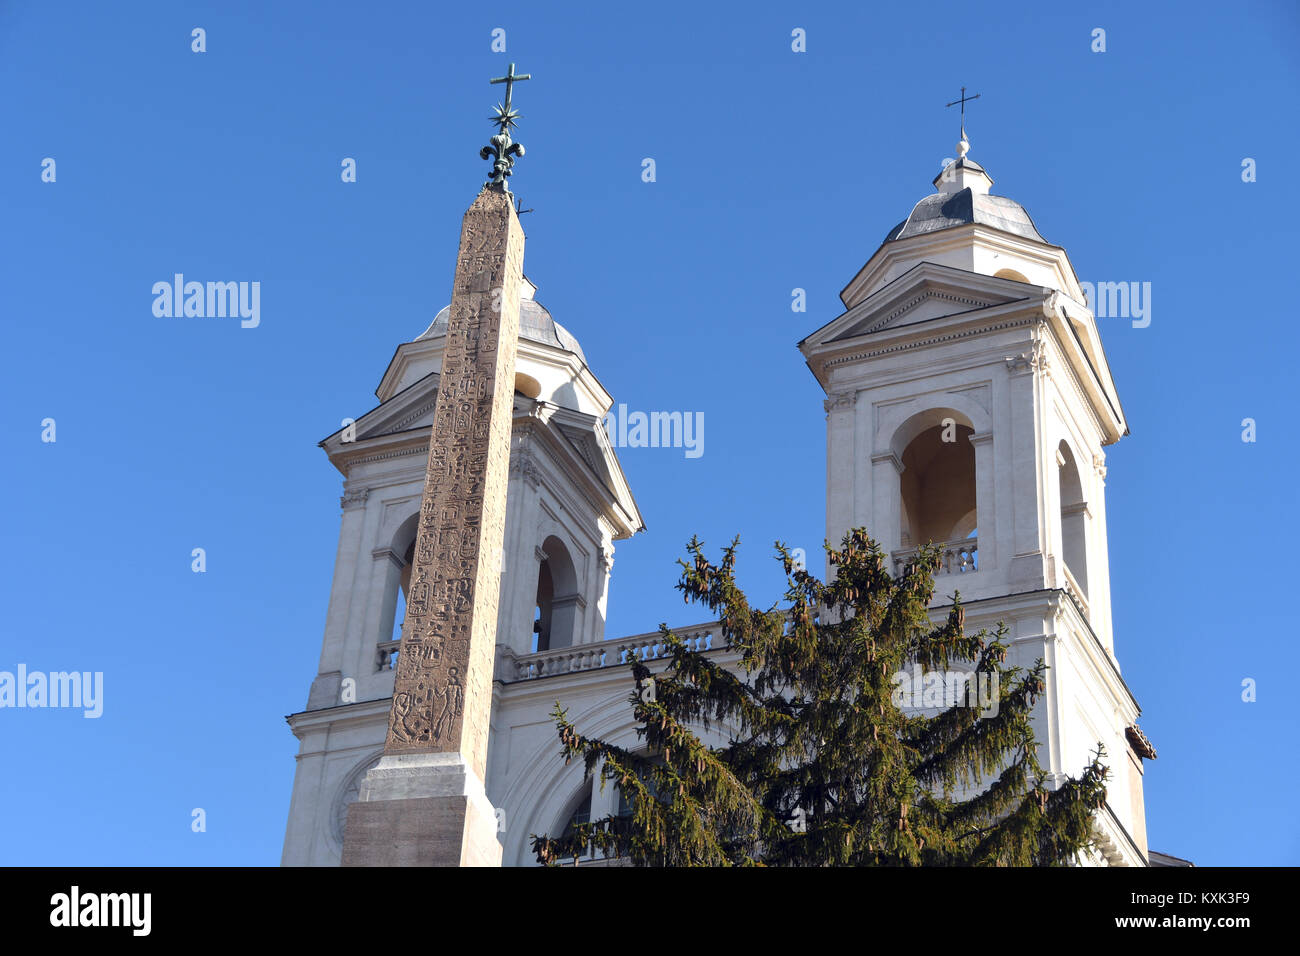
(775, 170)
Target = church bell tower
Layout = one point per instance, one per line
(968, 405)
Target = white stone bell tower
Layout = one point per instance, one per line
(969, 401)
(567, 502)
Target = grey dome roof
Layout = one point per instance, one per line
(535, 324)
(948, 210)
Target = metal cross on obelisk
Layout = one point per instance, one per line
(425, 804)
(501, 146)
(963, 101)
(509, 80)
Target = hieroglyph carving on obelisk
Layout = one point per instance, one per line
(425, 802)
(443, 685)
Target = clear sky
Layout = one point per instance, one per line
(774, 170)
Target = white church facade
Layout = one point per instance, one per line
(968, 403)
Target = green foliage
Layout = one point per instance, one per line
(822, 768)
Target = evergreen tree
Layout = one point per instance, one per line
(823, 767)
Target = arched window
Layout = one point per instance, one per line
(938, 485)
(1074, 517)
(579, 810)
(395, 567)
(555, 621)
(399, 614)
(542, 617)
(625, 805)
(579, 813)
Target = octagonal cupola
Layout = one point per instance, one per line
(550, 365)
(964, 225)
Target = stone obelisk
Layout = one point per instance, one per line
(424, 804)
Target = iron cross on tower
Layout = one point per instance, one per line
(963, 101)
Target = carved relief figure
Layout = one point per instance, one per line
(448, 703)
(403, 726)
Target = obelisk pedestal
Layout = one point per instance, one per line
(425, 804)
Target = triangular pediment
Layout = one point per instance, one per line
(414, 415)
(925, 292)
(584, 442)
(599, 457)
(408, 410)
(578, 444)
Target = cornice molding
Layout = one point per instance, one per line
(888, 457)
(932, 340)
(384, 456)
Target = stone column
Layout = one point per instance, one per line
(566, 620)
(841, 474)
(1020, 458)
(325, 688)
(425, 803)
(887, 504)
(985, 497)
(385, 583)
(523, 556)
(1099, 555)
(604, 569)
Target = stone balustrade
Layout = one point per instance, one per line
(1075, 593)
(586, 657)
(386, 655)
(955, 557)
(580, 657)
